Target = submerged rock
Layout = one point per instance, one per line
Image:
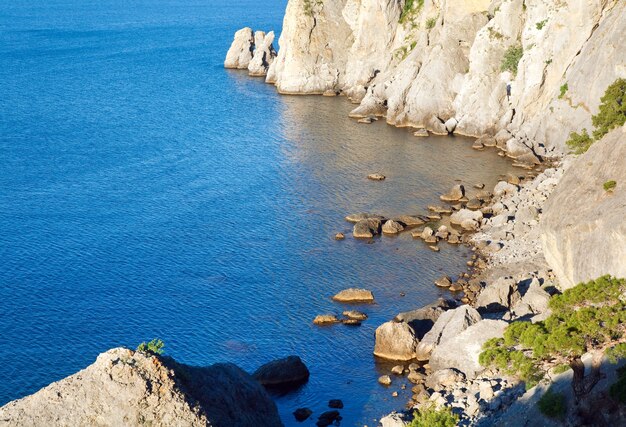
(124, 387)
(302, 414)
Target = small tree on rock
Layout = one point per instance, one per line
(589, 318)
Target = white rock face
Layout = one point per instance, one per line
(264, 53)
(240, 53)
(444, 61)
(461, 352)
(124, 388)
(583, 227)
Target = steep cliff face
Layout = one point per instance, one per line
(443, 59)
(127, 388)
(583, 226)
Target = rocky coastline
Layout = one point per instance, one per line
(442, 67)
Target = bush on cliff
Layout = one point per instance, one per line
(511, 59)
(552, 404)
(591, 317)
(611, 114)
(153, 347)
(432, 417)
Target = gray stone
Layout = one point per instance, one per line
(461, 352)
(448, 325)
(444, 378)
(499, 296)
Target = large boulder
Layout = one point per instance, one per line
(423, 319)
(263, 55)
(395, 341)
(366, 228)
(285, 373)
(583, 226)
(123, 387)
(241, 50)
(499, 296)
(448, 325)
(461, 352)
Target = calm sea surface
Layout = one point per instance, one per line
(147, 192)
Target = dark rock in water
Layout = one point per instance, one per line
(302, 414)
(335, 403)
(284, 373)
(351, 322)
(327, 418)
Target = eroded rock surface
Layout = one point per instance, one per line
(124, 387)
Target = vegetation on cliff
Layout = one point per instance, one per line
(588, 318)
(611, 114)
(432, 417)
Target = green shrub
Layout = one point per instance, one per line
(563, 90)
(511, 59)
(153, 347)
(609, 185)
(430, 23)
(410, 9)
(552, 404)
(541, 24)
(309, 6)
(612, 112)
(618, 390)
(588, 316)
(432, 417)
(579, 143)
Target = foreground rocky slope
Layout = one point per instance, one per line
(123, 387)
(439, 63)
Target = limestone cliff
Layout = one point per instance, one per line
(583, 226)
(442, 59)
(127, 388)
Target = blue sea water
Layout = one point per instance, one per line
(146, 192)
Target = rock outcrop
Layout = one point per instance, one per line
(250, 50)
(124, 387)
(264, 53)
(441, 65)
(241, 50)
(583, 226)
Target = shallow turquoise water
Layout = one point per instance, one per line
(147, 192)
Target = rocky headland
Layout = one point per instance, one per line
(133, 388)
